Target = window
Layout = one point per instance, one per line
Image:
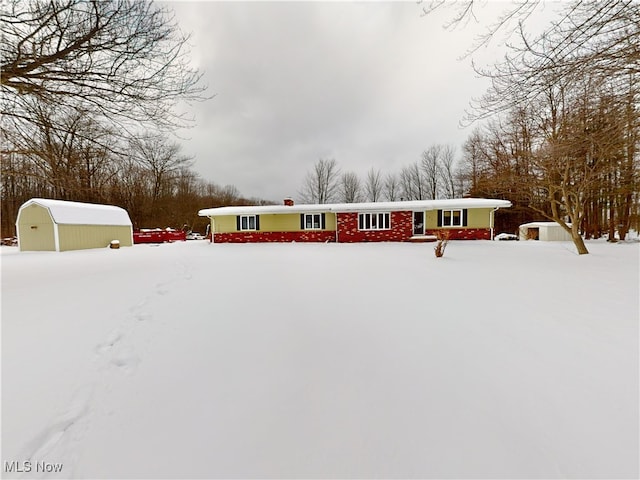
(247, 222)
(374, 221)
(452, 218)
(312, 221)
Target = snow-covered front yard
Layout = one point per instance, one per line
(193, 360)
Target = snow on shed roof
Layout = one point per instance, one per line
(360, 207)
(77, 213)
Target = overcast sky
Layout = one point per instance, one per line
(369, 84)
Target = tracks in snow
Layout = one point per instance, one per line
(118, 354)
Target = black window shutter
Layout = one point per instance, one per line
(257, 222)
(464, 217)
(439, 218)
(323, 221)
(238, 223)
(302, 221)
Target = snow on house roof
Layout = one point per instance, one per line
(543, 224)
(76, 213)
(360, 207)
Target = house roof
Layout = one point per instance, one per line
(543, 224)
(76, 213)
(412, 205)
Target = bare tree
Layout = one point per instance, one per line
(572, 157)
(163, 160)
(66, 149)
(448, 177)
(125, 61)
(438, 171)
(228, 195)
(512, 16)
(322, 183)
(591, 39)
(131, 189)
(412, 183)
(391, 187)
(430, 165)
(584, 148)
(471, 167)
(374, 185)
(566, 97)
(350, 188)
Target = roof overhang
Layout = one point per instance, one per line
(413, 205)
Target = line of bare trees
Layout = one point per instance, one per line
(64, 154)
(91, 91)
(572, 157)
(440, 173)
(148, 175)
(435, 175)
(564, 108)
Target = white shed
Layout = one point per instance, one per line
(58, 225)
(544, 231)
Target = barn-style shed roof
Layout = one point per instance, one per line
(77, 213)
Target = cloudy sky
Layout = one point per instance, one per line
(369, 84)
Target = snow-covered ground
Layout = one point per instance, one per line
(192, 360)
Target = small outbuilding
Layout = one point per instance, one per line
(57, 225)
(544, 231)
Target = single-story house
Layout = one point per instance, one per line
(464, 218)
(544, 231)
(58, 225)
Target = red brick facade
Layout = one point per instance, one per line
(253, 237)
(400, 231)
(464, 233)
(348, 232)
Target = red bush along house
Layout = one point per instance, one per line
(416, 220)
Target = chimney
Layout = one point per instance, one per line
(288, 202)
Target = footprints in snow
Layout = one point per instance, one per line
(126, 360)
(114, 347)
(113, 338)
(142, 316)
(161, 289)
(123, 357)
(61, 437)
(116, 353)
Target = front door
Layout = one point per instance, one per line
(418, 223)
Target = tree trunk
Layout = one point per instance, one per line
(625, 211)
(577, 240)
(612, 219)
